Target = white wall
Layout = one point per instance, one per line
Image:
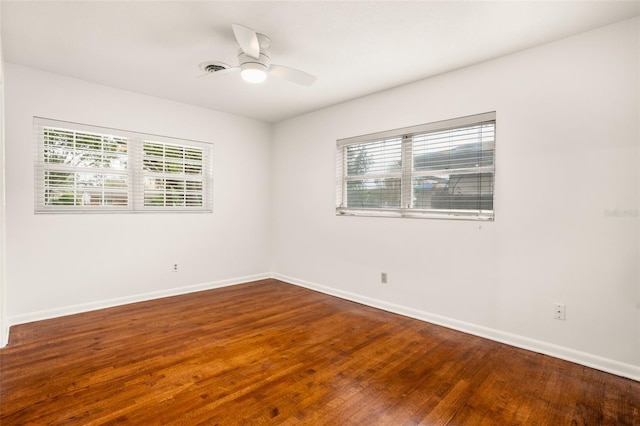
(567, 151)
(4, 329)
(62, 263)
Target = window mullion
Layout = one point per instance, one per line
(136, 180)
(407, 168)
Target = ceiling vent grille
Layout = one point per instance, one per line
(213, 66)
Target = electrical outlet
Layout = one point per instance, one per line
(175, 267)
(383, 277)
(559, 311)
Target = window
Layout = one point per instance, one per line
(437, 170)
(83, 168)
(172, 175)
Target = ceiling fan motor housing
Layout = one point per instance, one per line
(262, 62)
(264, 58)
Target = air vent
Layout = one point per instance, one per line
(213, 66)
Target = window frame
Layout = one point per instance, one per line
(134, 170)
(407, 208)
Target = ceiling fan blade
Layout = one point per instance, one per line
(248, 40)
(293, 75)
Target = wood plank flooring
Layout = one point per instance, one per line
(272, 353)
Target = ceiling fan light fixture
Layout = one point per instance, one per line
(253, 72)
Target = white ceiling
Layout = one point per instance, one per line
(354, 48)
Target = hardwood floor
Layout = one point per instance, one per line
(272, 353)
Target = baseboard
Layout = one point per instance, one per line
(5, 335)
(589, 360)
(109, 303)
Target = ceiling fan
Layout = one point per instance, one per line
(255, 61)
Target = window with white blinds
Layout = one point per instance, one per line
(173, 175)
(82, 168)
(437, 170)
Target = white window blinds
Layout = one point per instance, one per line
(82, 168)
(374, 173)
(173, 175)
(440, 170)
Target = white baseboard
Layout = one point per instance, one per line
(109, 303)
(589, 360)
(5, 335)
